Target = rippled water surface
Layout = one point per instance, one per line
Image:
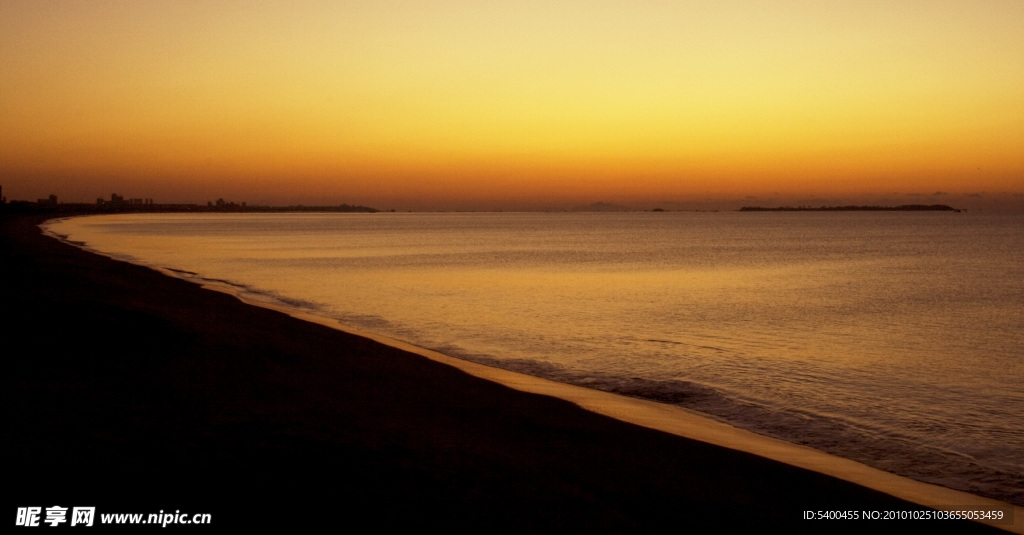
(892, 338)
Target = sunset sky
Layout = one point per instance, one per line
(453, 104)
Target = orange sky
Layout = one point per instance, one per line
(487, 104)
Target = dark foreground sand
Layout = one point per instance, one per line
(135, 392)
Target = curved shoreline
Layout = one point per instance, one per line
(681, 422)
(654, 415)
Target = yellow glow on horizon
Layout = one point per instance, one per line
(516, 99)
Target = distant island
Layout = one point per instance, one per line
(901, 208)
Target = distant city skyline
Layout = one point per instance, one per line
(459, 105)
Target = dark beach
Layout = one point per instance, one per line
(135, 392)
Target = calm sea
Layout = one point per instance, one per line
(895, 339)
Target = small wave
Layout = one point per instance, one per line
(666, 342)
(298, 303)
(48, 230)
(536, 368)
(675, 343)
(247, 292)
(228, 283)
(677, 392)
(192, 273)
(274, 298)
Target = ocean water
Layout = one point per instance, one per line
(892, 338)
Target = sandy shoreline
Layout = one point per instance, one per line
(189, 398)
